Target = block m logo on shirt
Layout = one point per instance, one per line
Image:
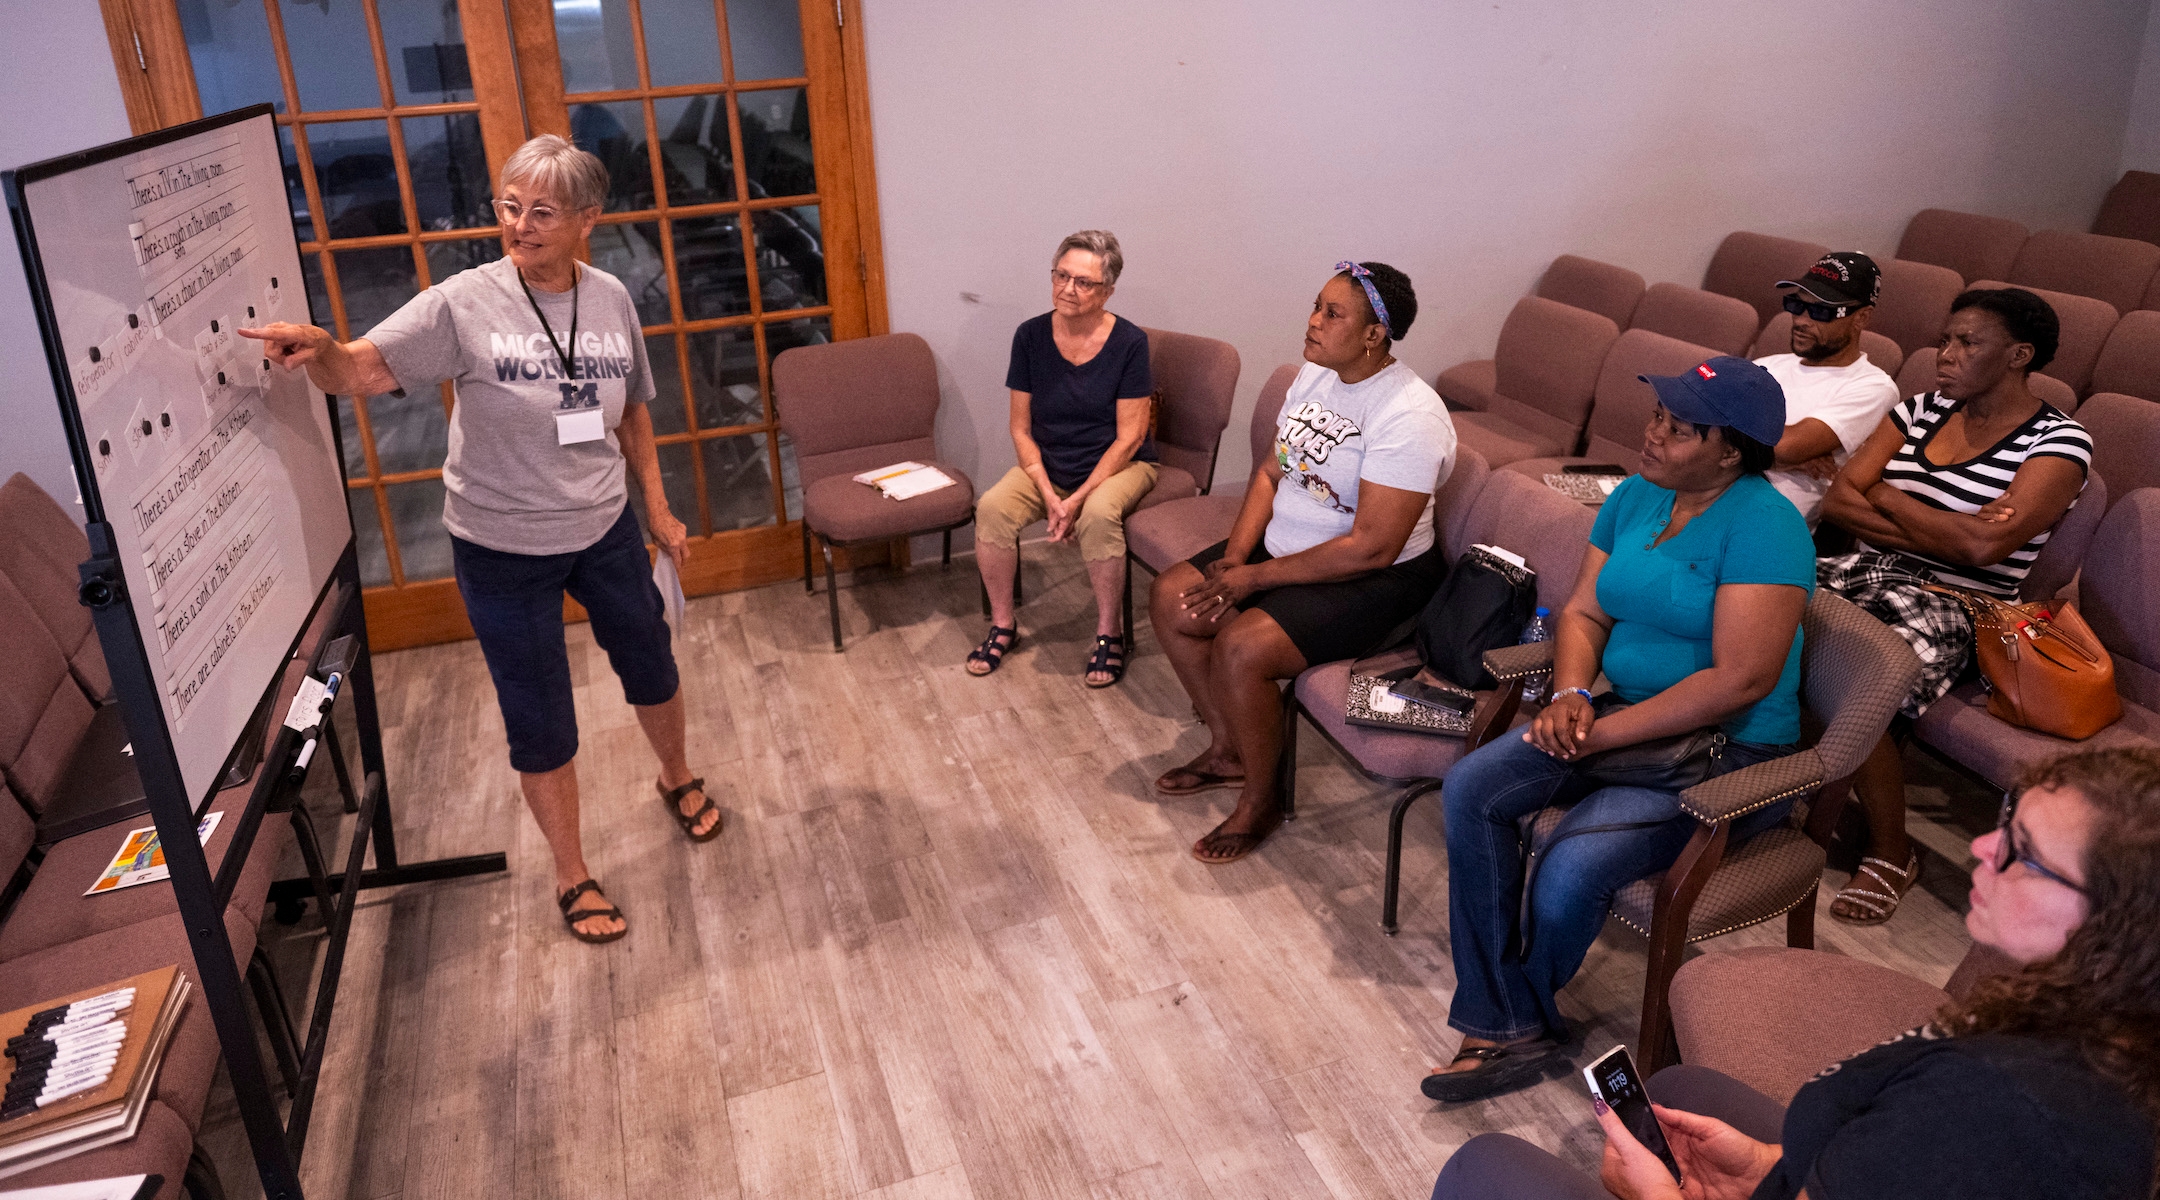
(579, 395)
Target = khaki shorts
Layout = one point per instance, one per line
(1014, 503)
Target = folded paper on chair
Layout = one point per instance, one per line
(906, 480)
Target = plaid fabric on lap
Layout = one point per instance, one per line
(1893, 589)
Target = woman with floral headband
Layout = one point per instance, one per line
(1331, 551)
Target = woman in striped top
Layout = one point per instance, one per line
(1958, 487)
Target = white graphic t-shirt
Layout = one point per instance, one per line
(509, 484)
(1391, 429)
(1852, 400)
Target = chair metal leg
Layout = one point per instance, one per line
(1286, 762)
(945, 556)
(1128, 601)
(1016, 574)
(277, 1019)
(984, 588)
(807, 586)
(201, 1181)
(832, 596)
(1393, 886)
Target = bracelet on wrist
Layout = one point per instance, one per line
(1583, 692)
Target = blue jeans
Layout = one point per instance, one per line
(1609, 839)
(515, 604)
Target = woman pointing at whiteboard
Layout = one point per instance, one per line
(549, 361)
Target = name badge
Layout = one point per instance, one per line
(584, 425)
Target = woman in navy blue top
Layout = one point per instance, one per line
(1081, 393)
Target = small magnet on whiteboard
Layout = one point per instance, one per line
(273, 281)
(165, 419)
(94, 355)
(251, 312)
(213, 326)
(134, 322)
(146, 427)
(221, 377)
(104, 447)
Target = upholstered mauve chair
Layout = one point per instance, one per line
(851, 407)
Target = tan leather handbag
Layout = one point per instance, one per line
(2046, 669)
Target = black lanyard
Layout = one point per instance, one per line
(559, 352)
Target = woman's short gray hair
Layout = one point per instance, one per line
(560, 170)
(1099, 242)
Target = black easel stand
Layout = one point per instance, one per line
(277, 1140)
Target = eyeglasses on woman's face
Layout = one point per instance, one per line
(540, 217)
(2009, 853)
(1061, 279)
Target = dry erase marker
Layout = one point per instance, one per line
(54, 1097)
(307, 752)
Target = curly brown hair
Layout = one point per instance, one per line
(2103, 989)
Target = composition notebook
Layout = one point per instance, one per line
(106, 1114)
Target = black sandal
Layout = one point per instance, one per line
(992, 652)
(1107, 645)
(1506, 1067)
(672, 797)
(571, 919)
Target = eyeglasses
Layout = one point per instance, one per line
(1060, 280)
(540, 217)
(2011, 852)
(1818, 312)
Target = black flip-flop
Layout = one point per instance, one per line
(1207, 782)
(1506, 1068)
(991, 652)
(571, 919)
(1106, 645)
(1237, 845)
(672, 797)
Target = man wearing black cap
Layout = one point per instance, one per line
(1834, 397)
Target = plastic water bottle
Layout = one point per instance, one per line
(1538, 630)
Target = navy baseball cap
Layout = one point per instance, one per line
(1725, 391)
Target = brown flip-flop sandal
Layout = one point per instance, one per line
(1504, 1067)
(1207, 782)
(672, 797)
(571, 919)
(1234, 845)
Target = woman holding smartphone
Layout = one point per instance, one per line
(2045, 1082)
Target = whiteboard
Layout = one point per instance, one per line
(217, 472)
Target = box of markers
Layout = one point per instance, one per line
(80, 1068)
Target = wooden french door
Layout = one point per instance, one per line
(741, 215)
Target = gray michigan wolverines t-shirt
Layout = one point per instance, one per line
(508, 485)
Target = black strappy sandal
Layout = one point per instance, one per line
(672, 797)
(1106, 646)
(571, 919)
(1505, 1068)
(991, 651)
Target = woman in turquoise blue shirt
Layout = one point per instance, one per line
(1689, 602)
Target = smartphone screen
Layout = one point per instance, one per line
(1433, 697)
(1614, 1078)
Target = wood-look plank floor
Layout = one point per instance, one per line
(950, 945)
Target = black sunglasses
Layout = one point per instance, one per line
(2011, 852)
(1818, 312)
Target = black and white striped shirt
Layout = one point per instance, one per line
(1967, 486)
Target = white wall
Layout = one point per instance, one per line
(2141, 138)
(62, 97)
(1240, 147)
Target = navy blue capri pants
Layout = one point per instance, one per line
(515, 604)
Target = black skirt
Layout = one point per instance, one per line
(1347, 618)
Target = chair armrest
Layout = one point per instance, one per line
(1519, 662)
(1749, 788)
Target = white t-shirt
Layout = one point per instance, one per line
(1852, 400)
(1391, 429)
